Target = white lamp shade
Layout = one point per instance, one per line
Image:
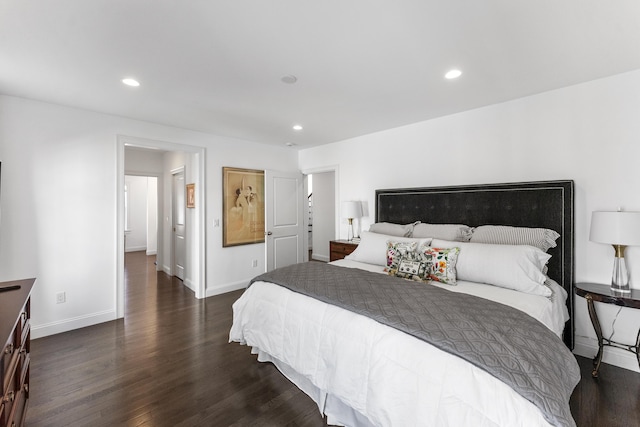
(616, 228)
(351, 210)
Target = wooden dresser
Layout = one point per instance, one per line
(15, 332)
(339, 249)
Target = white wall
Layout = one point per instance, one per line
(324, 225)
(59, 179)
(589, 133)
(136, 232)
(141, 233)
(143, 162)
(148, 163)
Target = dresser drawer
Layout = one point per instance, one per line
(23, 319)
(9, 399)
(25, 339)
(16, 416)
(9, 361)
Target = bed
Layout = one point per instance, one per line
(366, 363)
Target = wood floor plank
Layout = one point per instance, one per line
(169, 363)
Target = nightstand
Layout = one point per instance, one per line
(603, 293)
(338, 249)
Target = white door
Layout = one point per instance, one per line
(284, 223)
(179, 243)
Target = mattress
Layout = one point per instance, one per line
(361, 372)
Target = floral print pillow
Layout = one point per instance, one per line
(411, 265)
(443, 263)
(396, 250)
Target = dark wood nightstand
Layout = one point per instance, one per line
(338, 249)
(603, 293)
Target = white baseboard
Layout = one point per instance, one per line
(65, 325)
(189, 284)
(167, 269)
(588, 347)
(135, 248)
(226, 288)
(149, 253)
(317, 257)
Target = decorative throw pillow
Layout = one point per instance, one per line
(397, 250)
(443, 263)
(412, 265)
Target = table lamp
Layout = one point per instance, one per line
(351, 210)
(620, 229)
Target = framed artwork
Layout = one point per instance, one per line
(242, 206)
(191, 195)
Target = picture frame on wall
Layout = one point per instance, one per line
(191, 195)
(242, 206)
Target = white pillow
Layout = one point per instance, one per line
(456, 232)
(372, 248)
(517, 267)
(402, 230)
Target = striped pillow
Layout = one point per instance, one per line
(542, 238)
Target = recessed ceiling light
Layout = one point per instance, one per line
(297, 127)
(290, 144)
(289, 79)
(131, 82)
(453, 74)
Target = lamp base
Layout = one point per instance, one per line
(620, 277)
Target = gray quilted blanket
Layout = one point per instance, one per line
(508, 344)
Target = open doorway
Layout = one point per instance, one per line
(159, 159)
(322, 213)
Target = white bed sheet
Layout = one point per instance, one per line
(361, 372)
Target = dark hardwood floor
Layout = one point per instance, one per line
(168, 363)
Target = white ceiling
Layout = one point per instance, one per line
(362, 65)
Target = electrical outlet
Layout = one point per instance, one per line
(61, 297)
(254, 263)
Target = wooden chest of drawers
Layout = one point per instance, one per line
(15, 335)
(339, 249)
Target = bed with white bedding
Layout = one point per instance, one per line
(362, 372)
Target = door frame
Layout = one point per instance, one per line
(198, 246)
(172, 248)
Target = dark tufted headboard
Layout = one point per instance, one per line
(544, 204)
